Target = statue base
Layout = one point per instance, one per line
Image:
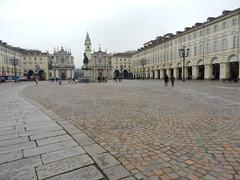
(87, 75)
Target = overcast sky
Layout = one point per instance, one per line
(118, 25)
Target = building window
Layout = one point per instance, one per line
(223, 44)
(224, 24)
(235, 41)
(215, 28)
(195, 50)
(208, 30)
(200, 33)
(234, 22)
(215, 46)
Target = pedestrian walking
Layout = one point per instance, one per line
(60, 82)
(36, 80)
(166, 80)
(172, 80)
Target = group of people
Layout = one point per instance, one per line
(166, 80)
(58, 80)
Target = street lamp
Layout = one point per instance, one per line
(183, 52)
(14, 62)
(143, 62)
(37, 66)
(121, 69)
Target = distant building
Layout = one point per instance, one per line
(213, 51)
(122, 65)
(32, 63)
(61, 64)
(99, 62)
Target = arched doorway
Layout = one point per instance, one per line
(30, 74)
(200, 70)
(130, 75)
(41, 75)
(189, 70)
(116, 74)
(233, 68)
(158, 72)
(215, 69)
(125, 74)
(179, 71)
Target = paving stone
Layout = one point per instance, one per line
(48, 148)
(52, 140)
(11, 156)
(8, 136)
(65, 165)
(28, 174)
(13, 141)
(105, 160)
(129, 178)
(93, 149)
(40, 131)
(86, 173)
(12, 131)
(43, 135)
(71, 129)
(20, 165)
(15, 147)
(62, 154)
(82, 139)
(116, 172)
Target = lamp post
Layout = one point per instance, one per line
(37, 66)
(183, 52)
(14, 62)
(143, 62)
(121, 75)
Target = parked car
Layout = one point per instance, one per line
(22, 78)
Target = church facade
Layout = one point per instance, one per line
(99, 62)
(61, 64)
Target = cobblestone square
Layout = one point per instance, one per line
(189, 131)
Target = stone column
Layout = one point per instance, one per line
(161, 73)
(194, 72)
(175, 72)
(208, 71)
(57, 73)
(156, 74)
(168, 72)
(224, 70)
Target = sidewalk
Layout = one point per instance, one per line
(37, 144)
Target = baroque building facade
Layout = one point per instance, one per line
(99, 62)
(214, 51)
(32, 63)
(122, 65)
(61, 64)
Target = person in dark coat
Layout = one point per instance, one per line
(172, 80)
(166, 80)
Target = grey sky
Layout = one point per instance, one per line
(118, 25)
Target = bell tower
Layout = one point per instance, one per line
(88, 46)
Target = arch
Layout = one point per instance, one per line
(215, 60)
(164, 66)
(171, 65)
(232, 58)
(41, 75)
(189, 63)
(200, 62)
(30, 74)
(179, 65)
(125, 74)
(116, 73)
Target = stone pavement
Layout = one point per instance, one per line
(191, 131)
(41, 145)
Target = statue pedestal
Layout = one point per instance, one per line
(87, 75)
